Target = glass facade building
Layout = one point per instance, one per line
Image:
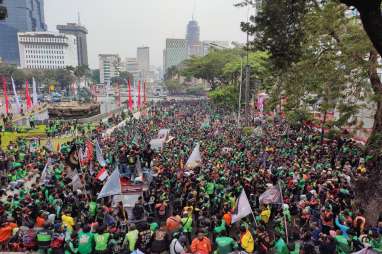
(23, 16)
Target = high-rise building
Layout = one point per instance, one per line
(143, 58)
(81, 34)
(193, 33)
(176, 52)
(46, 50)
(109, 67)
(132, 67)
(23, 16)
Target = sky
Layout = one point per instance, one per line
(120, 26)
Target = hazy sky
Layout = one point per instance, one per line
(120, 26)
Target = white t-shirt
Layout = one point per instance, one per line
(176, 247)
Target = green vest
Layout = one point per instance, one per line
(101, 241)
(85, 242)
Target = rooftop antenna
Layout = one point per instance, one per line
(193, 10)
(79, 18)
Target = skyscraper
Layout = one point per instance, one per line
(23, 16)
(175, 52)
(82, 45)
(193, 33)
(143, 59)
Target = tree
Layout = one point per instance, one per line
(171, 72)
(210, 67)
(225, 96)
(95, 76)
(371, 17)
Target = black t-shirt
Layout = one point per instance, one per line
(144, 240)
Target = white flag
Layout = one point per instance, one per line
(44, 174)
(18, 107)
(112, 186)
(35, 98)
(99, 155)
(195, 159)
(366, 251)
(76, 182)
(271, 196)
(243, 208)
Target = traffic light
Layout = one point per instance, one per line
(3, 11)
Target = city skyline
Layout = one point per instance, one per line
(221, 23)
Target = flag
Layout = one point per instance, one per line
(144, 93)
(271, 196)
(44, 174)
(130, 99)
(243, 208)
(49, 145)
(195, 158)
(99, 155)
(76, 182)
(91, 168)
(18, 107)
(102, 174)
(139, 95)
(27, 95)
(366, 251)
(35, 97)
(89, 150)
(5, 95)
(112, 186)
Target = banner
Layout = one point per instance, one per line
(130, 99)
(271, 196)
(18, 107)
(5, 96)
(139, 95)
(99, 155)
(35, 96)
(27, 95)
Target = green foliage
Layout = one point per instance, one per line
(123, 78)
(221, 67)
(226, 96)
(95, 76)
(174, 87)
(196, 90)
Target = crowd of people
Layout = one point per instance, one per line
(185, 210)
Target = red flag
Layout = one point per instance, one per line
(130, 99)
(144, 93)
(89, 150)
(139, 94)
(5, 95)
(27, 95)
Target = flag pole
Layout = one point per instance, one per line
(285, 221)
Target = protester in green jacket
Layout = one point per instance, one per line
(131, 238)
(85, 240)
(101, 240)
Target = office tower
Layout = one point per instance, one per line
(46, 50)
(176, 52)
(23, 16)
(81, 34)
